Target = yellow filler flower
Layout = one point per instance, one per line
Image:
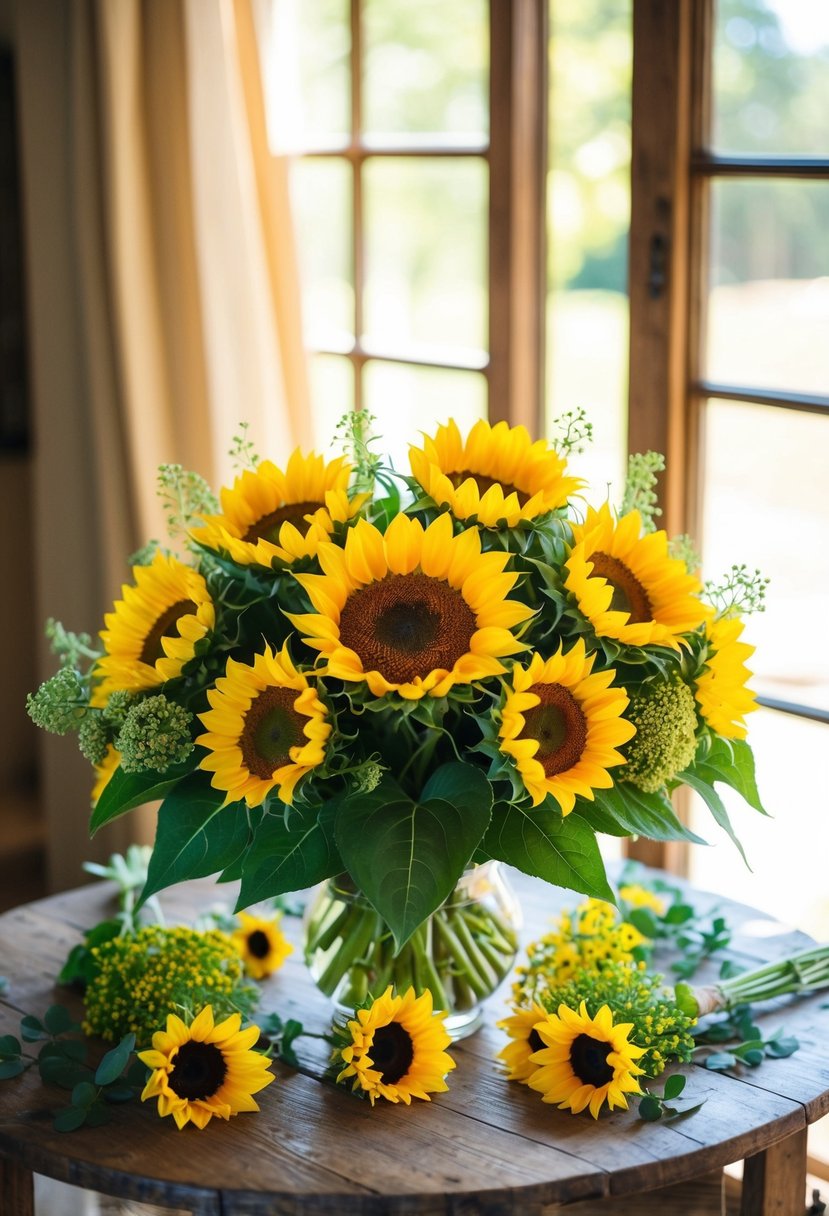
(585, 1061)
(153, 632)
(562, 724)
(415, 611)
(397, 1049)
(628, 586)
(266, 729)
(274, 516)
(262, 945)
(720, 691)
(202, 1070)
(497, 474)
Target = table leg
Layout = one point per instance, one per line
(774, 1181)
(17, 1189)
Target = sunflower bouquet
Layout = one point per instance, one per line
(347, 673)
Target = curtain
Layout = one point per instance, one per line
(163, 302)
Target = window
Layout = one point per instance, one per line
(419, 191)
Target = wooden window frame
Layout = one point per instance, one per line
(515, 154)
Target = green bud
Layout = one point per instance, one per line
(60, 703)
(665, 718)
(92, 737)
(155, 735)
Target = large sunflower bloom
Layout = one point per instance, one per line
(415, 611)
(497, 474)
(585, 1061)
(202, 1070)
(274, 516)
(261, 944)
(524, 1040)
(561, 724)
(720, 691)
(154, 631)
(397, 1049)
(266, 729)
(628, 586)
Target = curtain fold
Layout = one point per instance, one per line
(163, 300)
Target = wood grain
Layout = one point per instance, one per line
(17, 1196)
(774, 1181)
(488, 1147)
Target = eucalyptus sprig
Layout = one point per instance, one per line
(654, 1105)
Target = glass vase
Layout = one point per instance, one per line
(461, 953)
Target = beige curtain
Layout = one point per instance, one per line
(163, 294)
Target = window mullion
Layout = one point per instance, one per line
(357, 204)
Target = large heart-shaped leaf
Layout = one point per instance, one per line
(284, 859)
(195, 835)
(626, 810)
(124, 791)
(561, 849)
(406, 855)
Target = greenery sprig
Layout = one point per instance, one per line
(654, 1105)
(640, 487)
(243, 450)
(739, 593)
(185, 496)
(572, 432)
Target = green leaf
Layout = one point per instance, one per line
(115, 1061)
(674, 1086)
(32, 1029)
(754, 1057)
(57, 1019)
(732, 762)
(650, 1109)
(84, 1094)
(119, 1093)
(643, 920)
(195, 836)
(779, 1048)
(11, 1068)
(561, 849)
(716, 807)
(124, 791)
(65, 1049)
(407, 856)
(9, 1046)
(719, 1060)
(57, 1070)
(678, 914)
(282, 859)
(625, 810)
(70, 1119)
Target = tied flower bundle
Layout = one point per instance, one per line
(389, 679)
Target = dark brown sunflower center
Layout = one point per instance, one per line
(267, 528)
(535, 1040)
(628, 593)
(258, 944)
(559, 725)
(198, 1071)
(272, 727)
(406, 626)
(392, 1052)
(588, 1059)
(484, 483)
(164, 627)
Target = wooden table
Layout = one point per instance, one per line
(485, 1148)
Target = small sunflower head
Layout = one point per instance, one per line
(665, 741)
(262, 945)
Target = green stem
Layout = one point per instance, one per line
(361, 931)
(460, 957)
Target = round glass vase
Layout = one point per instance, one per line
(461, 953)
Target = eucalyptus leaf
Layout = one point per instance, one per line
(32, 1029)
(561, 849)
(719, 1060)
(673, 1086)
(57, 1070)
(11, 1068)
(9, 1046)
(650, 1109)
(115, 1061)
(70, 1119)
(57, 1019)
(196, 835)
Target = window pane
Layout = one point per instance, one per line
(307, 73)
(765, 504)
(792, 773)
(426, 252)
(768, 309)
(332, 393)
(771, 78)
(588, 201)
(321, 191)
(426, 67)
(407, 400)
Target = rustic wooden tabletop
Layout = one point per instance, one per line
(486, 1147)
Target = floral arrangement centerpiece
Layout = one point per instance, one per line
(390, 681)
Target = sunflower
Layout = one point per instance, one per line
(516, 1056)
(397, 1049)
(585, 1061)
(104, 771)
(415, 611)
(262, 945)
(202, 1070)
(154, 631)
(561, 724)
(270, 515)
(628, 586)
(498, 474)
(266, 728)
(720, 690)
